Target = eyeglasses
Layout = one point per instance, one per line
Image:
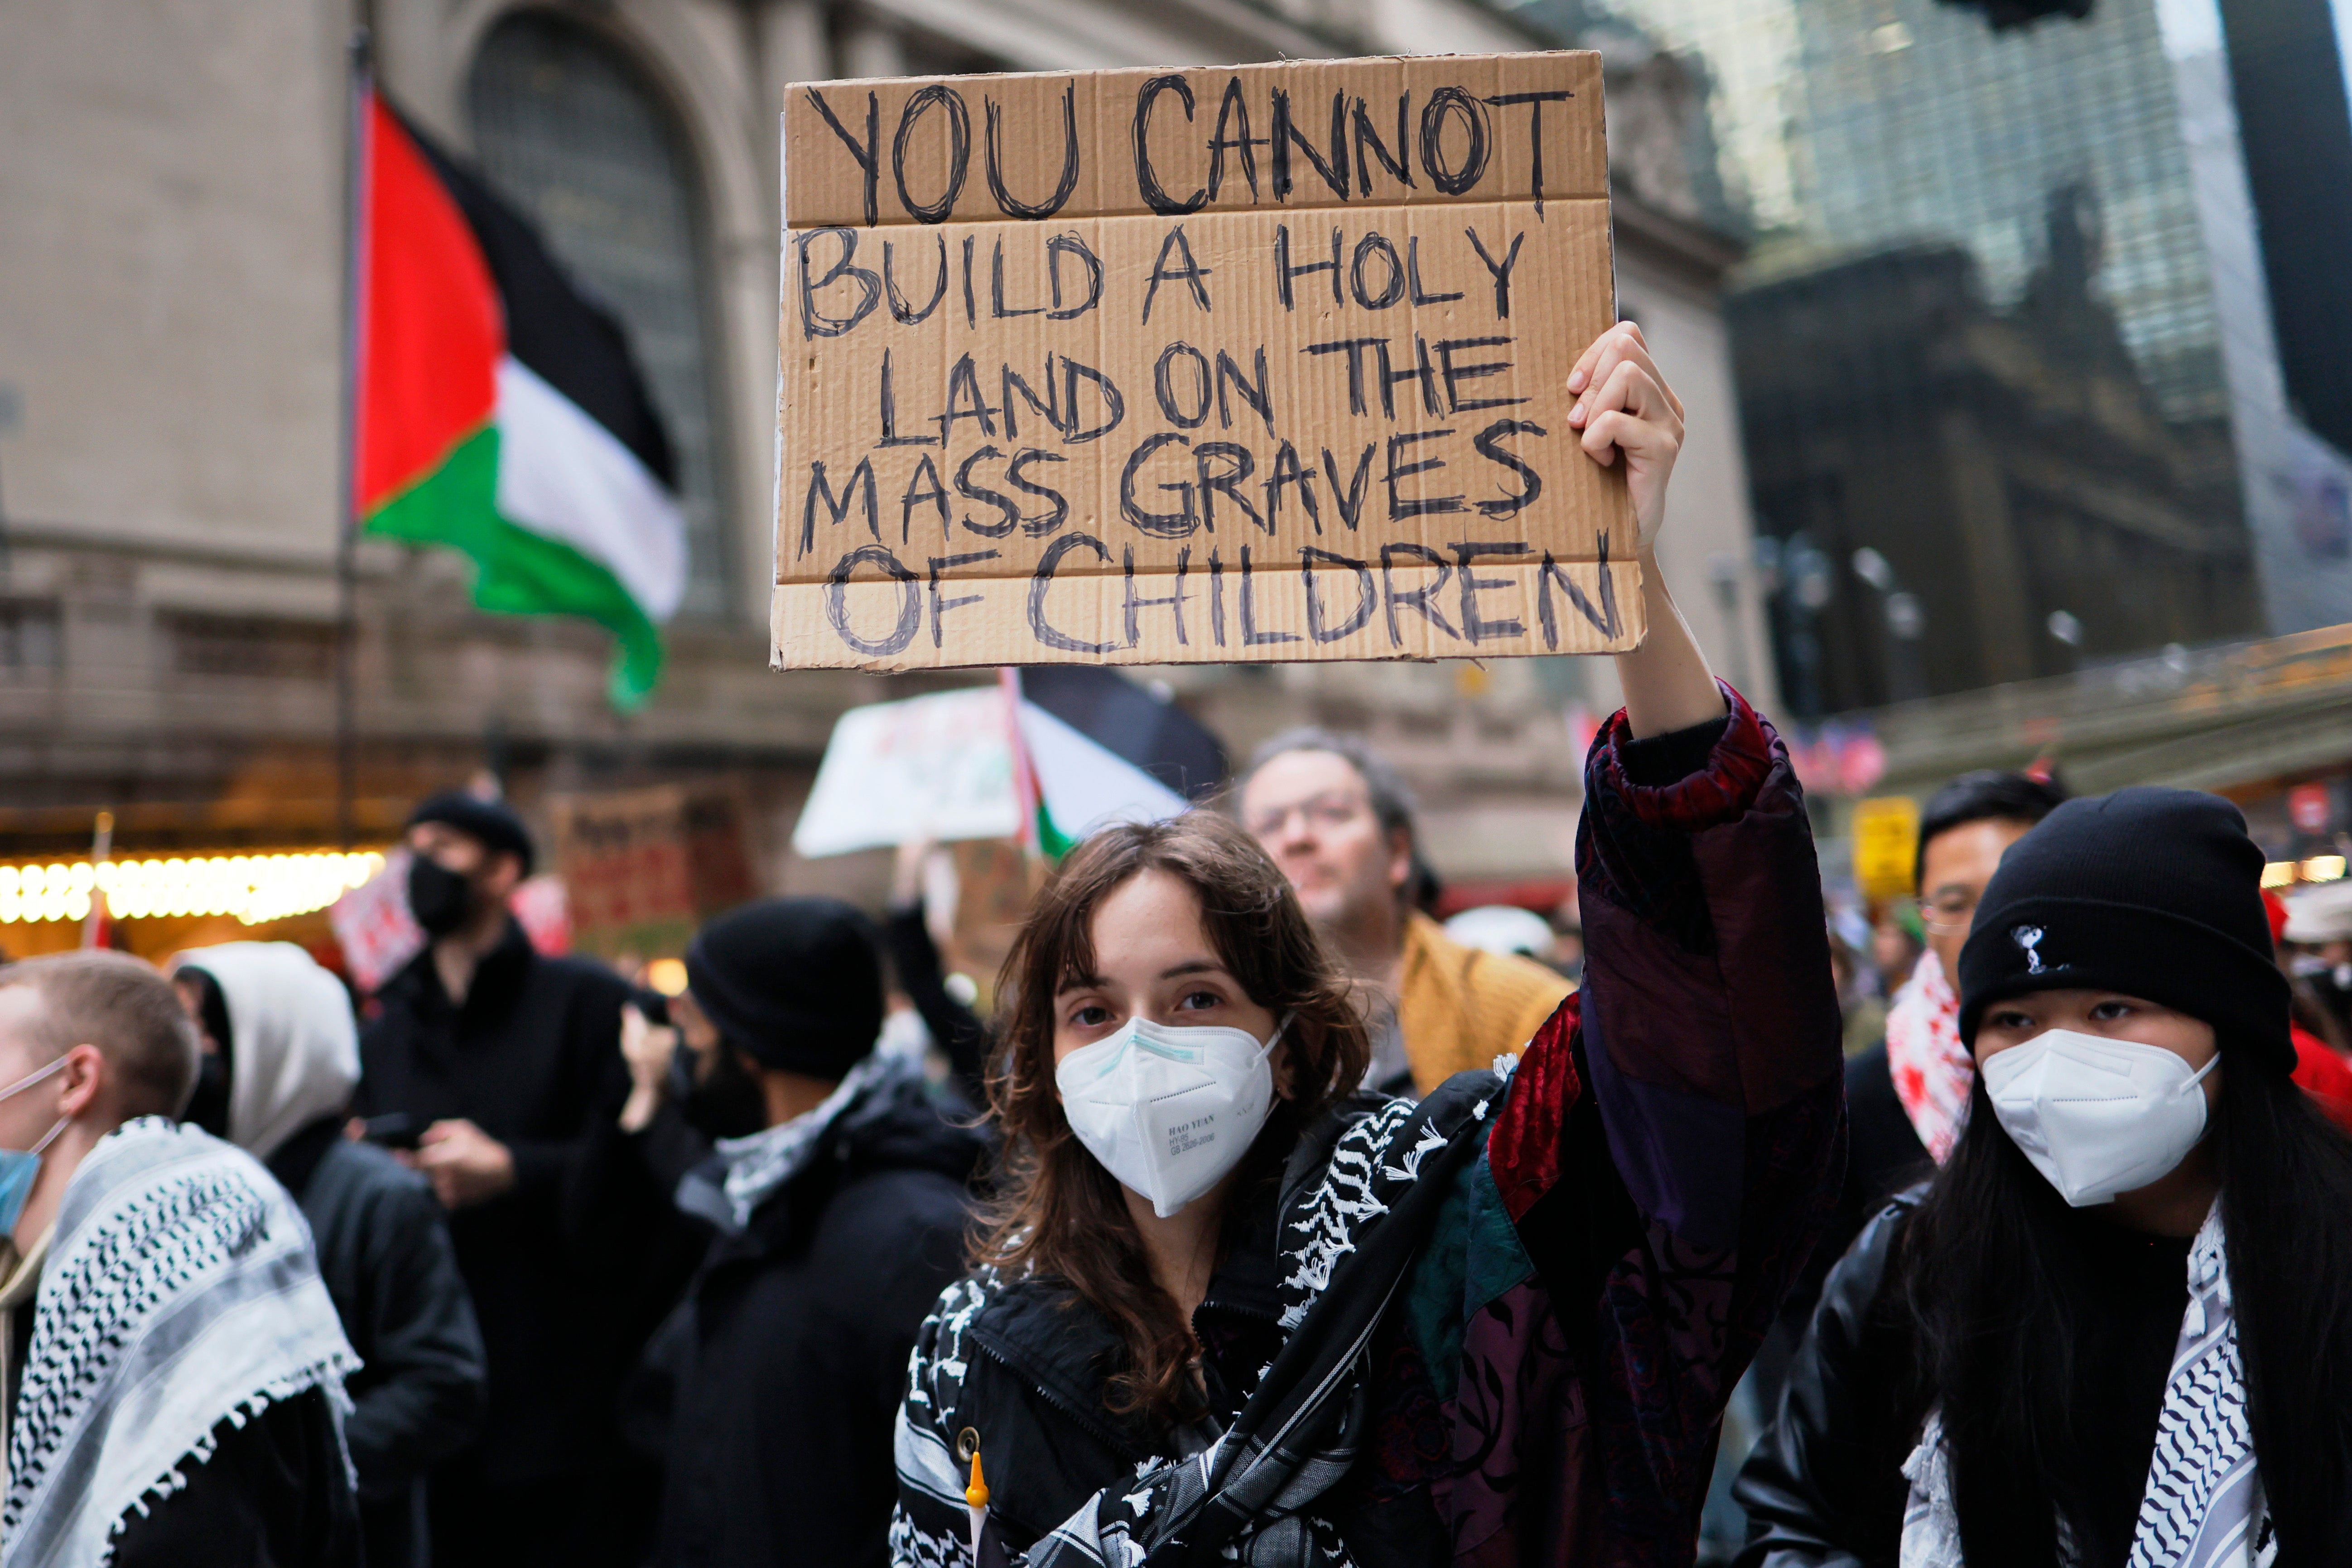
(1951, 911)
(1329, 810)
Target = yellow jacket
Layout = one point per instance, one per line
(1460, 1008)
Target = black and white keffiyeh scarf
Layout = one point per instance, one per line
(180, 1291)
(2203, 1506)
(1348, 1242)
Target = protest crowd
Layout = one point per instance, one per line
(1261, 1219)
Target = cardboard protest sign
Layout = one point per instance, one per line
(936, 767)
(1165, 366)
(642, 868)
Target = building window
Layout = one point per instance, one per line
(570, 129)
(251, 646)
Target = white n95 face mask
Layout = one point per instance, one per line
(2097, 1116)
(1169, 1110)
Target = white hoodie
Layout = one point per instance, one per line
(294, 1054)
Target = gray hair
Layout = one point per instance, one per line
(1392, 798)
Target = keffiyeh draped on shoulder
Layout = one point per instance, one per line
(180, 1291)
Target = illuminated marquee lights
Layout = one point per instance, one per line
(255, 889)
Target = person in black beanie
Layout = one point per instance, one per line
(504, 1063)
(2117, 1325)
(837, 1225)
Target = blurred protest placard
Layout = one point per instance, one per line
(642, 868)
(1146, 366)
(937, 767)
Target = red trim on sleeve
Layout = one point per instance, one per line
(1523, 1150)
(1719, 793)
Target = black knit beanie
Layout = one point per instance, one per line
(2155, 893)
(796, 982)
(489, 823)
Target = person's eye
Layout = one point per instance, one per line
(2109, 1012)
(1199, 1001)
(2018, 1021)
(1093, 1016)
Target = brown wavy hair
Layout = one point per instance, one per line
(1057, 1211)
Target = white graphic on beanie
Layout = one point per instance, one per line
(2026, 938)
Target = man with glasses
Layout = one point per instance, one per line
(1339, 821)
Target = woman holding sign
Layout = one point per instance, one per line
(1230, 1309)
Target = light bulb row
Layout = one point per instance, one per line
(255, 889)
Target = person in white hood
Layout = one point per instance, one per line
(282, 1062)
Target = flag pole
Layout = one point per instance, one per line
(347, 511)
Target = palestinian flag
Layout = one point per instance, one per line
(500, 413)
(1091, 747)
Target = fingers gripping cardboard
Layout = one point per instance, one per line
(1155, 367)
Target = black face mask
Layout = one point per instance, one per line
(208, 1107)
(439, 898)
(727, 1101)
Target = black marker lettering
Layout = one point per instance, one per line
(1535, 100)
(910, 604)
(1366, 597)
(1399, 507)
(837, 510)
(936, 495)
(1501, 270)
(1467, 552)
(1422, 296)
(1191, 273)
(1129, 604)
(815, 323)
(1288, 471)
(906, 315)
(1146, 181)
(1416, 599)
(940, 565)
(1252, 391)
(1114, 405)
(1284, 136)
(959, 149)
(1350, 498)
(1240, 466)
(996, 310)
(1489, 443)
(1234, 106)
(1005, 202)
(1250, 636)
(868, 153)
(1163, 385)
(1044, 579)
(1284, 271)
(1392, 289)
(1158, 524)
(1453, 375)
(1047, 407)
(1072, 244)
(970, 489)
(1216, 598)
(965, 401)
(1457, 180)
(1354, 349)
(1604, 620)
(890, 437)
(1047, 522)
(1400, 166)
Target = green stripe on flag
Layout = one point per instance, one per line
(1052, 842)
(518, 573)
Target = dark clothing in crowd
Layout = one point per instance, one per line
(786, 1363)
(274, 1492)
(1883, 1157)
(1827, 1479)
(383, 1249)
(960, 1033)
(532, 1058)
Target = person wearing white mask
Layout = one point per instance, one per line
(1229, 1307)
(278, 1032)
(2117, 1328)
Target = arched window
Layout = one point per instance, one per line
(569, 128)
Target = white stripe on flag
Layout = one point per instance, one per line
(563, 475)
(1086, 785)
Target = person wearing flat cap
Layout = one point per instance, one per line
(504, 1062)
(2114, 1329)
(837, 1225)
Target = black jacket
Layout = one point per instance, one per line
(1883, 1157)
(789, 1357)
(533, 1058)
(1827, 1474)
(384, 1252)
(274, 1492)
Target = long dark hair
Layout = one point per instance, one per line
(1992, 1278)
(1057, 1211)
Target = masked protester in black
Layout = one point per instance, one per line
(835, 1225)
(2101, 1336)
(508, 1060)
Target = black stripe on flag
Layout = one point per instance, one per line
(1155, 737)
(575, 344)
